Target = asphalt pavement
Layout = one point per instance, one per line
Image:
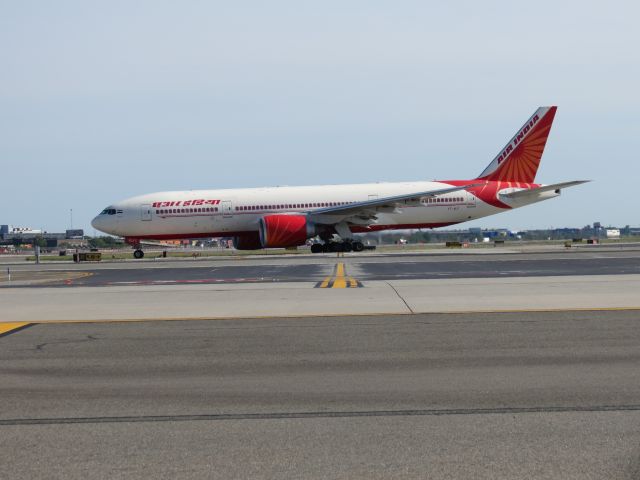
(364, 268)
(511, 395)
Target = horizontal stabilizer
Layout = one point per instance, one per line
(546, 188)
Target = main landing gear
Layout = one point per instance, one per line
(138, 254)
(348, 246)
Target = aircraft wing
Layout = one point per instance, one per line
(546, 188)
(367, 209)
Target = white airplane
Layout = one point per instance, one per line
(277, 217)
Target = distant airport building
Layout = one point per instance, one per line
(74, 234)
(10, 229)
(10, 235)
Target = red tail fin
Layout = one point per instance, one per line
(518, 161)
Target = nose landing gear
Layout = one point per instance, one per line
(135, 243)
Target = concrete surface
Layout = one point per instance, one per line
(302, 299)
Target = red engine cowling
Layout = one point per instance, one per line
(247, 242)
(281, 231)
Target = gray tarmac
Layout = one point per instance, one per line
(364, 267)
(500, 395)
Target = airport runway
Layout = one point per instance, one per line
(511, 395)
(363, 267)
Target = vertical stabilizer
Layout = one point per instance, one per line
(519, 160)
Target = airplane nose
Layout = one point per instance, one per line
(97, 223)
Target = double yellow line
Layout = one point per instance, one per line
(339, 279)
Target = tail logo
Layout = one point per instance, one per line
(519, 160)
(518, 138)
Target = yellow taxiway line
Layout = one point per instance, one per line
(11, 327)
(339, 279)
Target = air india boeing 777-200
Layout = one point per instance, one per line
(276, 217)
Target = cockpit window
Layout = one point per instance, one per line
(108, 211)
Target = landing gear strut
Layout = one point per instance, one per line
(135, 243)
(348, 244)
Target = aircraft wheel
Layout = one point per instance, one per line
(332, 247)
(317, 248)
(357, 246)
(347, 247)
(138, 254)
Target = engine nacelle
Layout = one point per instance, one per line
(247, 242)
(281, 231)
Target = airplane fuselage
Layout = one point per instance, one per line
(289, 216)
(231, 212)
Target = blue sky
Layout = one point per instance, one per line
(104, 100)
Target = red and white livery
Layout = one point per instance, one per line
(277, 217)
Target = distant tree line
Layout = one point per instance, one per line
(105, 242)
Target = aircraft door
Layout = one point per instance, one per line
(470, 199)
(227, 208)
(145, 212)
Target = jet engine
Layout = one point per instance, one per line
(281, 231)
